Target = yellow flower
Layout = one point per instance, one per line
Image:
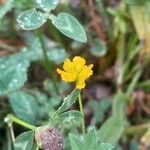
(76, 71)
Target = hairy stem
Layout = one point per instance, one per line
(81, 110)
(20, 122)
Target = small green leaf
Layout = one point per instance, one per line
(70, 119)
(24, 141)
(24, 106)
(111, 130)
(90, 140)
(98, 48)
(76, 143)
(47, 5)
(119, 104)
(7, 6)
(105, 146)
(57, 55)
(68, 101)
(13, 73)
(114, 126)
(31, 19)
(69, 26)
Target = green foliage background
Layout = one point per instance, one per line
(46, 32)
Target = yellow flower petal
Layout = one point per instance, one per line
(80, 84)
(68, 77)
(68, 66)
(84, 75)
(79, 63)
(86, 72)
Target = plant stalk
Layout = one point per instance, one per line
(20, 122)
(47, 63)
(82, 112)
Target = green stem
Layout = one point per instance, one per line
(58, 36)
(81, 110)
(19, 121)
(37, 148)
(134, 82)
(9, 139)
(12, 132)
(47, 63)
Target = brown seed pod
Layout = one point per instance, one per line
(49, 138)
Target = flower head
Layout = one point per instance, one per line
(76, 71)
(49, 138)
